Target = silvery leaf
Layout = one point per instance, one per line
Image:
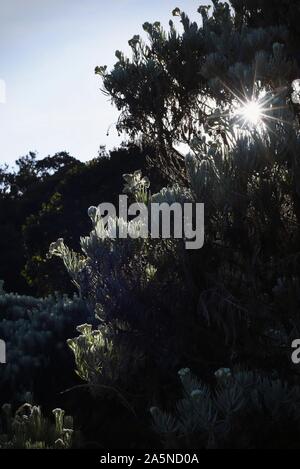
(296, 92)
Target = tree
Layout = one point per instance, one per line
(46, 198)
(238, 309)
(230, 311)
(173, 82)
(258, 14)
(23, 192)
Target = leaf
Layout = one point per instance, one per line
(176, 12)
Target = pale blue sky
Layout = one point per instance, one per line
(48, 52)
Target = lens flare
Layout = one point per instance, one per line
(251, 112)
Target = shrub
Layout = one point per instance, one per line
(240, 410)
(29, 429)
(35, 332)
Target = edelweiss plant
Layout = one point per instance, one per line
(109, 272)
(218, 417)
(118, 279)
(30, 326)
(136, 185)
(226, 90)
(29, 429)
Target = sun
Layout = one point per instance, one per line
(251, 112)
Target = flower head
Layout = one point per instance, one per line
(135, 182)
(184, 372)
(92, 213)
(56, 248)
(84, 329)
(196, 394)
(223, 374)
(154, 411)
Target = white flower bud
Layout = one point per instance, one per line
(84, 329)
(184, 372)
(154, 411)
(92, 212)
(223, 374)
(196, 394)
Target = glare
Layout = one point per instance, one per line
(251, 112)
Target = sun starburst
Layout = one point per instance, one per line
(251, 112)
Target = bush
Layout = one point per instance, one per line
(35, 332)
(233, 304)
(229, 413)
(29, 429)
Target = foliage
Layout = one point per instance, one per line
(35, 332)
(173, 82)
(156, 307)
(188, 89)
(118, 279)
(47, 198)
(29, 429)
(222, 416)
(259, 14)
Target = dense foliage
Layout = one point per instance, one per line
(29, 429)
(218, 416)
(41, 200)
(172, 83)
(230, 311)
(35, 332)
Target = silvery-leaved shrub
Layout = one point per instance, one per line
(28, 428)
(223, 303)
(219, 416)
(35, 332)
(126, 283)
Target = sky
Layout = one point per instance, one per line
(50, 98)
